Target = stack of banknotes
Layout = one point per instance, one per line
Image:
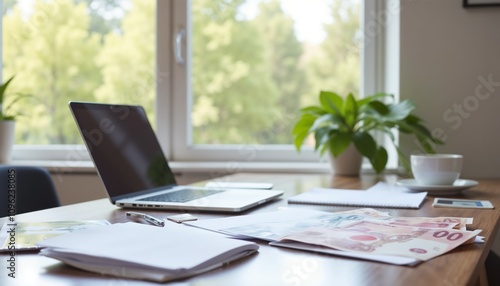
(376, 232)
(364, 231)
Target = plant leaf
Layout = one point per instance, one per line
(350, 111)
(400, 110)
(321, 137)
(379, 107)
(373, 97)
(404, 161)
(379, 160)
(423, 135)
(365, 144)
(301, 129)
(3, 87)
(315, 110)
(321, 122)
(323, 150)
(305, 122)
(413, 119)
(388, 132)
(17, 97)
(339, 143)
(331, 102)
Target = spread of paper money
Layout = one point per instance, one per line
(422, 243)
(369, 231)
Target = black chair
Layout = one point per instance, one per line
(30, 187)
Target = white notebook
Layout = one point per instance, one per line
(147, 252)
(373, 197)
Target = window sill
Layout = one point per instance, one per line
(220, 168)
(192, 167)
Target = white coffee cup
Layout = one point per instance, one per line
(436, 169)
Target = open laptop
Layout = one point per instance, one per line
(134, 170)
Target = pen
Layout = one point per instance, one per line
(148, 218)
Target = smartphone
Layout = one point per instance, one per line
(457, 203)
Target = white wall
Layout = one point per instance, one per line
(448, 53)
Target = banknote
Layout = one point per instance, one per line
(366, 212)
(460, 222)
(457, 222)
(384, 238)
(272, 231)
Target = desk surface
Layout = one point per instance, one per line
(278, 266)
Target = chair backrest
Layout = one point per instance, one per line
(30, 187)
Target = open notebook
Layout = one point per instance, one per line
(380, 195)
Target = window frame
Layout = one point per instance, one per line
(181, 150)
(172, 101)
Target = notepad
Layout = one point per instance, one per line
(146, 252)
(391, 198)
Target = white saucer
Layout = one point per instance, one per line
(456, 188)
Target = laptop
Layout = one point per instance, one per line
(134, 170)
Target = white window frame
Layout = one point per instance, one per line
(72, 155)
(172, 103)
(371, 81)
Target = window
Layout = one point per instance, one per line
(75, 50)
(226, 83)
(251, 65)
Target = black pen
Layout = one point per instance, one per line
(148, 218)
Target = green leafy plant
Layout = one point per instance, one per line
(337, 122)
(5, 113)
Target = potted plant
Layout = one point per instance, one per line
(7, 124)
(341, 126)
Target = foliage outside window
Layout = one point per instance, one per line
(83, 50)
(252, 72)
(251, 68)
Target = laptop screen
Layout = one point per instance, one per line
(124, 148)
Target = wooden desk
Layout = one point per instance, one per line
(278, 266)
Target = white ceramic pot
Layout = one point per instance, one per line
(348, 163)
(6, 140)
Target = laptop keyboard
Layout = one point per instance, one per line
(181, 196)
